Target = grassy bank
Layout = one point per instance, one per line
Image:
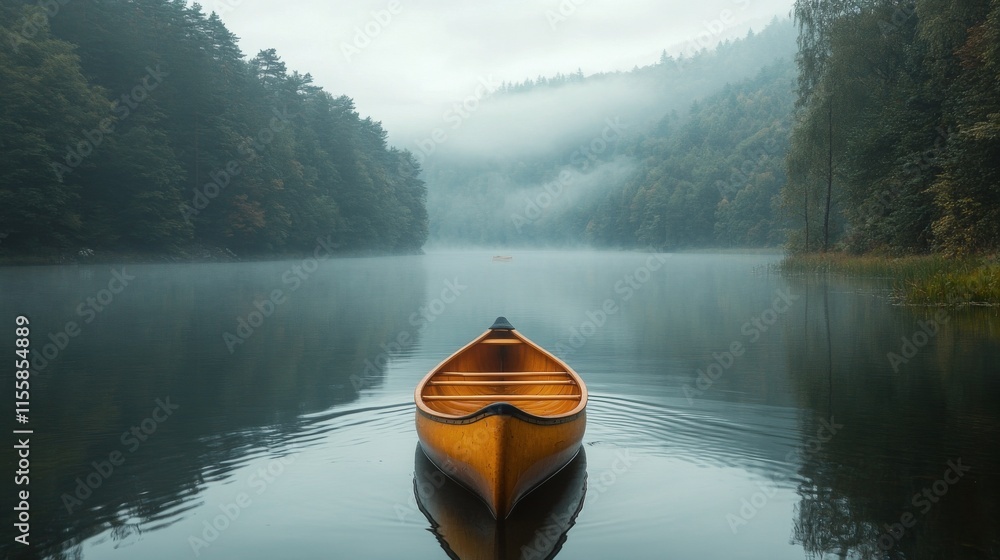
(916, 280)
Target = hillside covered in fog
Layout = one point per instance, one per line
(684, 152)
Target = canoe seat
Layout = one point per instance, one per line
(500, 341)
(501, 397)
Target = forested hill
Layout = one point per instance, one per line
(140, 125)
(685, 152)
(711, 179)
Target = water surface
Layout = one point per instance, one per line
(733, 413)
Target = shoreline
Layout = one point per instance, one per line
(192, 254)
(920, 280)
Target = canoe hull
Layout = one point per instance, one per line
(536, 529)
(501, 415)
(500, 453)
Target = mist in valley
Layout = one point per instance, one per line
(540, 162)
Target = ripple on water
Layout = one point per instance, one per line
(356, 426)
(751, 437)
(352, 470)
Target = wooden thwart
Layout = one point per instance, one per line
(501, 341)
(501, 398)
(498, 382)
(502, 373)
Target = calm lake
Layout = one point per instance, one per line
(265, 410)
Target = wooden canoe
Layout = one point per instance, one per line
(501, 415)
(465, 529)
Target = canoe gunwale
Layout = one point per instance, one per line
(501, 409)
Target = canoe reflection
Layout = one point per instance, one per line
(535, 529)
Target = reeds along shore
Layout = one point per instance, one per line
(916, 280)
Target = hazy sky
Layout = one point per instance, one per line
(405, 62)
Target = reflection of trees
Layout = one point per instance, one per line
(707, 310)
(165, 340)
(900, 430)
(824, 523)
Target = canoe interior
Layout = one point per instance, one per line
(502, 366)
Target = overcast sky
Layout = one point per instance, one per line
(404, 62)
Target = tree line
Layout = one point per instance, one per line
(896, 142)
(141, 125)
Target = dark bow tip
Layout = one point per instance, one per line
(502, 324)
